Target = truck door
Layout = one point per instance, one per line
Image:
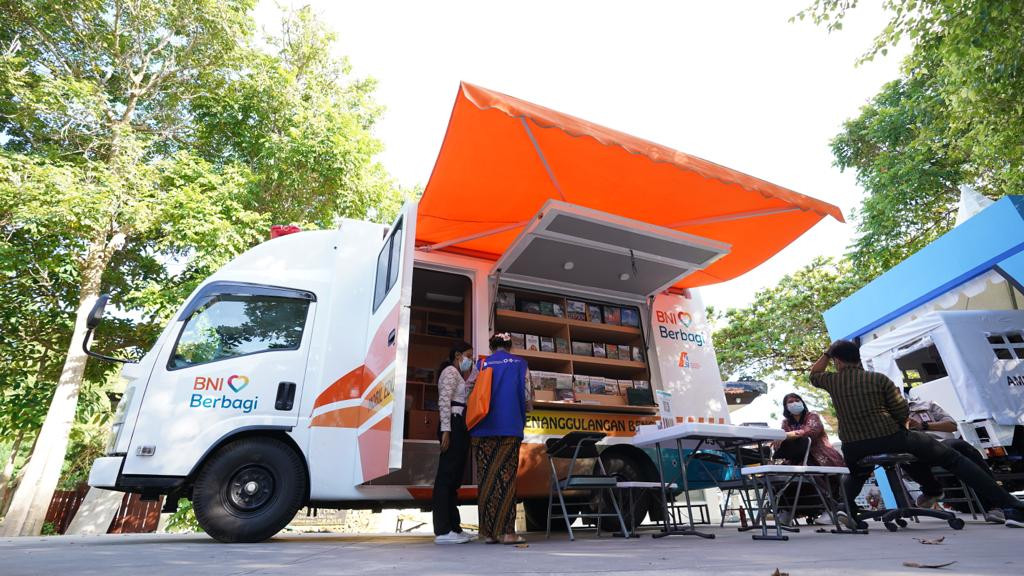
(236, 359)
(589, 253)
(382, 413)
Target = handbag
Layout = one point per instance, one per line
(479, 402)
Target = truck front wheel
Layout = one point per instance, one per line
(249, 490)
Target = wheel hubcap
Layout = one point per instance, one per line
(251, 488)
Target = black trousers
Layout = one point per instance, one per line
(450, 467)
(929, 452)
(923, 474)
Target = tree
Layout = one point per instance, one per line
(953, 117)
(782, 330)
(124, 149)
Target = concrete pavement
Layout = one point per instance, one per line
(979, 549)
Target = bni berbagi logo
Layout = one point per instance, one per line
(221, 393)
(676, 326)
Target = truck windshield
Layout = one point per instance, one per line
(229, 326)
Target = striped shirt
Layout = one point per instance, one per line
(868, 405)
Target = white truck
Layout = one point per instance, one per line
(971, 363)
(299, 373)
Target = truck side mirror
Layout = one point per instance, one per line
(96, 314)
(91, 322)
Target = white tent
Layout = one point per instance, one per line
(983, 385)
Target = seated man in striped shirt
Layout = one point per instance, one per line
(872, 416)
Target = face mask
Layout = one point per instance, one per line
(465, 364)
(795, 407)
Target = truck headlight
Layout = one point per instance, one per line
(118, 422)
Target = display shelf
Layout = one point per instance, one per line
(562, 405)
(527, 323)
(435, 340)
(605, 333)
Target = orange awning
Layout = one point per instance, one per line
(502, 158)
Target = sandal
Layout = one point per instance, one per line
(518, 540)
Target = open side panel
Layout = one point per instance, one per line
(380, 429)
(592, 253)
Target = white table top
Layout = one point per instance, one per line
(696, 431)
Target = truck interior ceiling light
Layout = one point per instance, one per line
(569, 265)
(624, 276)
(448, 298)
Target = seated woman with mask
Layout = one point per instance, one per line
(803, 426)
(799, 423)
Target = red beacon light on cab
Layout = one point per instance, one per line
(283, 230)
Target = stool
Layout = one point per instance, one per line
(896, 518)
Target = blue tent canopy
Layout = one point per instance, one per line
(992, 239)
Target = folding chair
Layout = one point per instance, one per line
(766, 478)
(576, 446)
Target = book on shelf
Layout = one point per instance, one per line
(533, 342)
(581, 384)
(611, 315)
(566, 395)
(642, 384)
(612, 351)
(624, 352)
(624, 386)
(547, 344)
(557, 310)
(638, 354)
(544, 380)
(561, 345)
(547, 308)
(599, 350)
(528, 306)
(563, 382)
(518, 340)
(506, 301)
(598, 385)
(582, 348)
(576, 310)
(594, 314)
(630, 317)
(639, 397)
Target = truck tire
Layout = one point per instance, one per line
(537, 516)
(249, 490)
(625, 469)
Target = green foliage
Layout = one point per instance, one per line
(49, 529)
(782, 330)
(149, 142)
(954, 116)
(184, 520)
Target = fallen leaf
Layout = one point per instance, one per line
(918, 565)
(522, 545)
(927, 541)
(777, 573)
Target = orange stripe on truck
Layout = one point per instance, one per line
(378, 357)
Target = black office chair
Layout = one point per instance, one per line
(896, 518)
(576, 446)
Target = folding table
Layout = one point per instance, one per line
(696, 435)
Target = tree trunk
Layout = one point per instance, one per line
(42, 473)
(8, 471)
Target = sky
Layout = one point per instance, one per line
(732, 82)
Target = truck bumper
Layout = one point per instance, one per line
(105, 471)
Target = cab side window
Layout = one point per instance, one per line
(232, 325)
(389, 262)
